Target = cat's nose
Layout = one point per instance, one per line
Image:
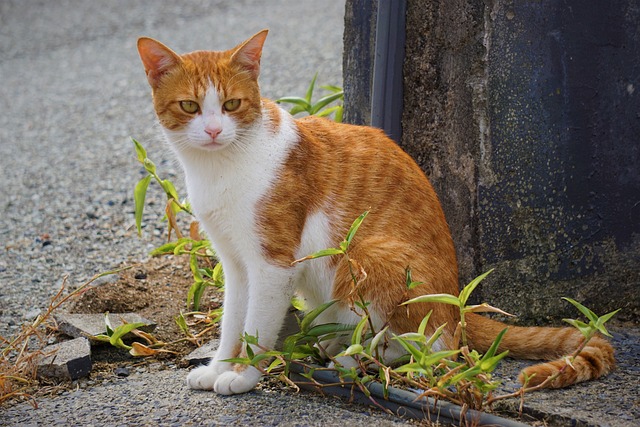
(213, 132)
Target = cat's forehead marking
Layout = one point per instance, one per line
(211, 102)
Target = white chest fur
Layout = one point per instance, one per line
(225, 186)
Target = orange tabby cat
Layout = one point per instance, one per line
(269, 189)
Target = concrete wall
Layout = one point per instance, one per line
(526, 117)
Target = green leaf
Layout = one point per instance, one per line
(107, 324)
(435, 358)
(485, 308)
(339, 112)
(436, 334)
(376, 339)
(467, 290)
(440, 298)
(489, 364)
(100, 337)
(320, 254)
(216, 275)
(414, 337)
(413, 367)
(167, 248)
(296, 109)
(311, 87)
(585, 330)
(602, 320)
(180, 245)
(494, 346)
(191, 293)
(239, 360)
(423, 323)
(353, 349)
(195, 270)
(182, 324)
(296, 100)
(327, 111)
(140, 151)
(116, 338)
(465, 375)
(331, 88)
(410, 348)
(308, 319)
(260, 357)
(169, 189)
(298, 303)
(276, 363)
(356, 338)
(605, 317)
(354, 227)
(139, 194)
(149, 166)
(324, 101)
(584, 310)
(198, 290)
(326, 252)
(409, 280)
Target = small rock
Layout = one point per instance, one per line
(66, 360)
(140, 275)
(202, 355)
(121, 372)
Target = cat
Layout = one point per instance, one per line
(269, 189)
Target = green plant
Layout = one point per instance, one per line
(462, 376)
(460, 301)
(319, 108)
(140, 192)
(19, 355)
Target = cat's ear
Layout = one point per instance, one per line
(248, 53)
(156, 58)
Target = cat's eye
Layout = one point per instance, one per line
(231, 105)
(190, 107)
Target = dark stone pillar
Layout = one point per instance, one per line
(525, 115)
(559, 192)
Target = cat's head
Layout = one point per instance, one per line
(205, 100)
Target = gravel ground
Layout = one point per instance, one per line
(163, 399)
(73, 91)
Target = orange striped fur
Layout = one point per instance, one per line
(269, 189)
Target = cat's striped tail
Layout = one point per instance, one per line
(552, 344)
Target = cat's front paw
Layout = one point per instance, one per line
(232, 382)
(204, 377)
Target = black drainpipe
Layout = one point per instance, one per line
(386, 96)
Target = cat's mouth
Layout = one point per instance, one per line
(213, 145)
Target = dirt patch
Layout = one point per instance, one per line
(157, 290)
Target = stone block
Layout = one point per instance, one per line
(66, 360)
(202, 355)
(87, 325)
